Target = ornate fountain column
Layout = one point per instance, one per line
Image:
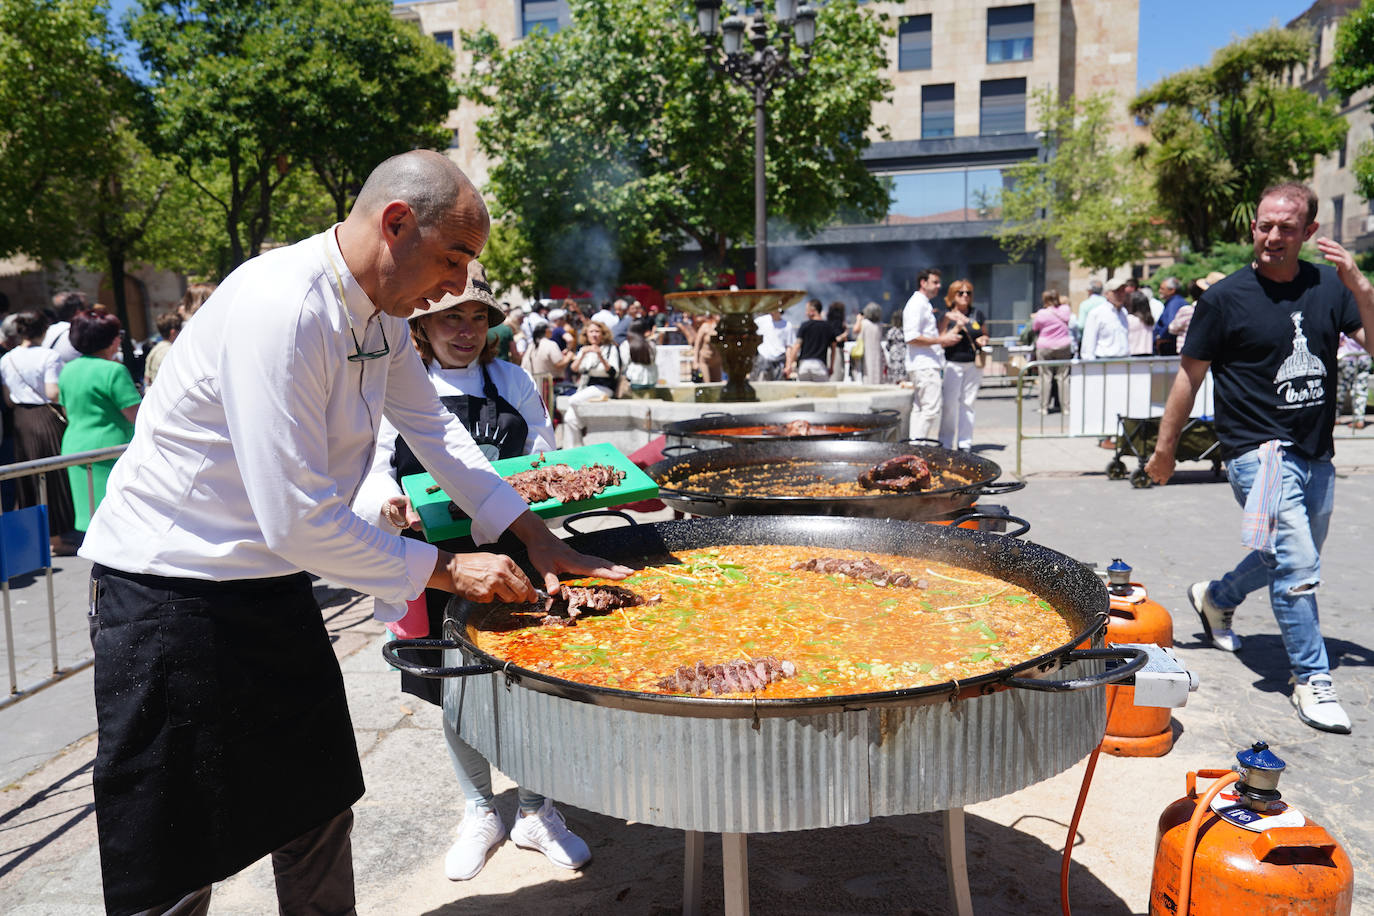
(735, 332)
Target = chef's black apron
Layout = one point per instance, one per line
(224, 729)
(500, 432)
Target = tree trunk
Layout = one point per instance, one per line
(114, 264)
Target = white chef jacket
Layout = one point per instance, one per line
(918, 320)
(252, 444)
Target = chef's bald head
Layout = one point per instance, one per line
(427, 181)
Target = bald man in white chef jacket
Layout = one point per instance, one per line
(224, 734)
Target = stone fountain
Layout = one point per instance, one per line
(630, 424)
(736, 332)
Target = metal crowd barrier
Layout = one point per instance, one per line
(1133, 386)
(42, 467)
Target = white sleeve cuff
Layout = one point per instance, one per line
(386, 612)
(420, 560)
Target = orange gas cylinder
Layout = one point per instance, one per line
(1240, 849)
(1135, 731)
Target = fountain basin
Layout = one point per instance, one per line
(629, 424)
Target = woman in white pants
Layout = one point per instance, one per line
(963, 371)
(596, 367)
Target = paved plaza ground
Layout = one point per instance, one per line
(1172, 536)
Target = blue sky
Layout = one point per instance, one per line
(1178, 34)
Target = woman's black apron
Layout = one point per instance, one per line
(224, 729)
(500, 432)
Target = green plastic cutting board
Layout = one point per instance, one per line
(438, 525)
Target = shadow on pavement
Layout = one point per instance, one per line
(893, 865)
(26, 814)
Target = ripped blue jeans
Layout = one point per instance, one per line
(1293, 571)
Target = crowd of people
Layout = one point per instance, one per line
(73, 383)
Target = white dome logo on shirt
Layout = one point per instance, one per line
(1301, 364)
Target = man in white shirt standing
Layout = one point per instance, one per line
(925, 355)
(1105, 331)
(773, 361)
(65, 305)
(224, 733)
(609, 316)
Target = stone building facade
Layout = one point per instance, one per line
(963, 73)
(1342, 213)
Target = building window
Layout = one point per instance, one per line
(1002, 109)
(1011, 33)
(541, 14)
(445, 38)
(913, 43)
(453, 140)
(937, 111)
(1337, 218)
(1340, 156)
(945, 196)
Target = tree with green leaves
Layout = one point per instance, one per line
(248, 91)
(1089, 197)
(76, 183)
(616, 144)
(62, 93)
(1222, 132)
(1352, 69)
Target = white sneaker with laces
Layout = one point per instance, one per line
(546, 831)
(1216, 621)
(480, 832)
(1318, 706)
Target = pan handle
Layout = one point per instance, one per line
(885, 411)
(567, 522)
(1135, 660)
(681, 447)
(1021, 526)
(932, 442)
(999, 488)
(391, 650)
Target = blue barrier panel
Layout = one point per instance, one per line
(24, 545)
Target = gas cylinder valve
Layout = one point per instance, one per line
(1119, 577)
(1259, 770)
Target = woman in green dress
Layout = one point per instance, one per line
(101, 403)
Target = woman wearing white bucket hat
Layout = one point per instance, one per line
(498, 403)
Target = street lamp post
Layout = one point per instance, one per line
(761, 70)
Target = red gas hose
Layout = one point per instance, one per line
(1185, 878)
(1078, 812)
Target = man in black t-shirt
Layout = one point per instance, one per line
(1269, 333)
(815, 346)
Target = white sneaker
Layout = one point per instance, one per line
(1216, 621)
(1318, 706)
(480, 831)
(546, 831)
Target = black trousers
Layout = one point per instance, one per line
(314, 875)
(224, 736)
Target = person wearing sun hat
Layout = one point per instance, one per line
(498, 403)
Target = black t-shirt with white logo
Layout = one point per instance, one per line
(1272, 347)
